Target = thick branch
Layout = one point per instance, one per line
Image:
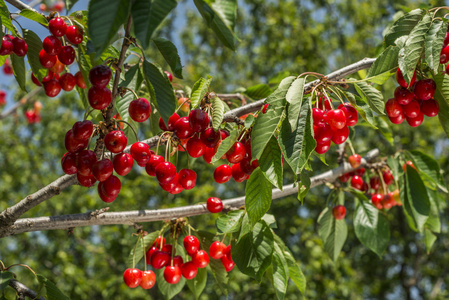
(20, 5)
(137, 216)
(24, 291)
(11, 214)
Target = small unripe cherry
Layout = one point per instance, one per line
(355, 160)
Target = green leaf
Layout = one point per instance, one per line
(148, 15)
(253, 252)
(280, 271)
(230, 222)
(5, 17)
(34, 16)
(371, 227)
(245, 227)
(165, 96)
(362, 108)
(18, 66)
(197, 284)
(295, 273)
(104, 20)
(170, 54)
(372, 96)
(140, 252)
(433, 222)
(167, 289)
(416, 200)
(442, 97)
(5, 277)
(34, 47)
(294, 99)
(217, 112)
(258, 91)
(270, 163)
(225, 145)
(385, 129)
(333, 233)
(199, 89)
(303, 186)
(219, 17)
(249, 121)
(403, 26)
(434, 43)
(426, 165)
(69, 4)
(429, 239)
(258, 196)
(386, 62)
(52, 291)
(411, 53)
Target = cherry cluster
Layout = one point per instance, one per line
(58, 6)
(7, 68)
(332, 124)
(11, 44)
(54, 57)
(33, 115)
(412, 101)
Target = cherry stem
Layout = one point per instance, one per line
(3, 265)
(337, 92)
(384, 187)
(86, 114)
(143, 58)
(350, 147)
(144, 254)
(128, 89)
(222, 240)
(167, 147)
(134, 131)
(318, 75)
(21, 265)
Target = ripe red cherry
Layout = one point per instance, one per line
(141, 153)
(351, 114)
(415, 122)
(183, 129)
(169, 75)
(52, 88)
(72, 144)
(132, 277)
(159, 242)
(46, 60)
(410, 163)
(402, 95)
(172, 274)
(115, 141)
(150, 167)
(7, 46)
(265, 107)
(210, 137)
(35, 80)
(336, 119)
(200, 259)
(52, 45)
(99, 98)
(112, 186)
(222, 174)
(82, 129)
(393, 108)
(199, 120)
(339, 212)
(323, 148)
(236, 153)
(412, 109)
(444, 54)
(191, 244)
(102, 169)
(74, 34)
(355, 160)
(148, 279)
(318, 116)
(357, 182)
(100, 76)
(340, 135)
(165, 172)
(388, 177)
(374, 182)
(344, 178)
(86, 181)
(324, 103)
(139, 109)
(323, 133)
(425, 89)
(237, 173)
(360, 172)
(67, 82)
(68, 163)
(103, 196)
(401, 81)
(80, 80)
(195, 147)
(171, 122)
(86, 159)
(228, 263)
(177, 261)
(67, 55)
(430, 108)
(214, 205)
(57, 26)
(168, 248)
(189, 270)
(376, 199)
(20, 47)
(187, 178)
(160, 259)
(123, 163)
(216, 250)
(397, 120)
(246, 166)
(208, 154)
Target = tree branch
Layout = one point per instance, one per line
(11, 214)
(22, 102)
(24, 291)
(20, 5)
(137, 216)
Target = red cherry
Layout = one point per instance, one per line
(140, 152)
(111, 186)
(323, 148)
(103, 196)
(68, 163)
(340, 135)
(35, 80)
(415, 122)
(115, 141)
(57, 27)
(149, 253)
(123, 163)
(388, 202)
(318, 116)
(323, 133)
(82, 130)
(388, 177)
(397, 120)
(246, 166)
(168, 248)
(67, 82)
(52, 88)
(150, 167)
(20, 47)
(336, 119)
(265, 107)
(357, 182)
(165, 172)
(401, 81)
(99, 98)
(86, 159)
(344, 178)
(355, 160)
(183, 129)
(189, 270)
(412, 109)
(195, 147)
(171, 122)
(374, 183)
(160, 259)
(214, 205)
(393, 108)
(339, 212)
(222, 174)
(430, 108)
(102, 169)
(191, 244)
(208, 154)
(408, 162)
(199, 120)
(148, 278)
(100, 76)
(74, 34)
(210, 137)
(236, 153)
(228, 264)
(200, 259)
(177, 261)
(402, 95)
(72, 144)
(86, 181)
(360, 171)
(139, 109)
(216, 250)
(7, 46)
(58, 67)
(67, 55)
(425, 89)
(351, 114)
(376, 199)
(159, 242)
(237, 173)
(172, 274)
(444, 55)
(132, 277)
(187, 178)
(169, 75)
(7, 69)
(80, 80)
(52, 45)
(46, 60)
(326, 105)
